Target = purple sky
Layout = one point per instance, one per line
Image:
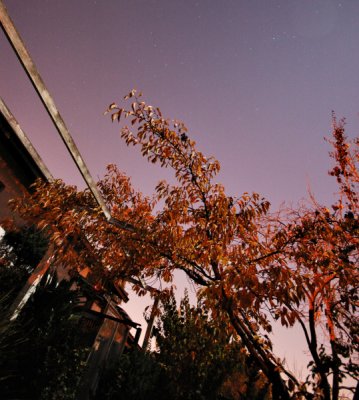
(254, 81)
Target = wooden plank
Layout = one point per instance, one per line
(39, 85)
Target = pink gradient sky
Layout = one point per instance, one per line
(254, 81)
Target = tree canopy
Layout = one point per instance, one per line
(195, 358)
(202, 357)
(249, 265)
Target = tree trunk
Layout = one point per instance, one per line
(270, 370)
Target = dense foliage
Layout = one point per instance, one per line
(21, 249)
(200, 355)
(136, 376)
(40, 355)
(248, 265)
(195, 359)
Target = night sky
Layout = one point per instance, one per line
(255, 81)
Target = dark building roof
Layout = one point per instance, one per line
(14, 139)
(20, 164)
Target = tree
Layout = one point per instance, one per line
(244, 261)
(201, 354)
(195, 358)
(323, 292)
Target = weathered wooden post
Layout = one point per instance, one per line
(150, 323)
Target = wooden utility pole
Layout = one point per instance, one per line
(150, 324)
